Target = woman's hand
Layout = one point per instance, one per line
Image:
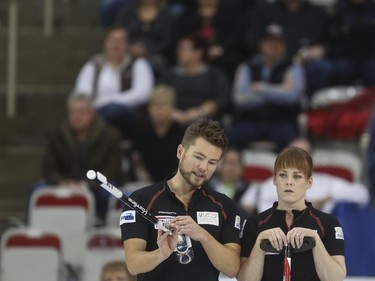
(276, 236)
(296, 235)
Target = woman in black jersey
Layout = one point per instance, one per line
(288, 222)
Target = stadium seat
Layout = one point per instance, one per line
(258, 164)
(67, 212)
(338, 162)
(334, 95)
(33, 255)
(102, 246)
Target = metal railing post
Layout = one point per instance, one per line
(48, 18)
(12, 58)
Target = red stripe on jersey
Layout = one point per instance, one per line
(216, 202)
(318, 222)
(149, 206)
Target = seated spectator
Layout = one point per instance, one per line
(116, 271)
(229, 177)
(151, 31)
(84, 142)
(267, 94)
(306, 29)
(201, 89)
(118, 83)
(326, 190)
(353, 42)
(220, 25)
(180, 7)
(157, 137)
(108, 10)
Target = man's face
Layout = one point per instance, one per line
(198, 162)
(116, 44)
(272, 48)
(231, 168)
(186, 52)
(80, 115)
(114, 276)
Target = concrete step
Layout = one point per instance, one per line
(65, 12)
(36, 115)
(19, 169)
(55, 60)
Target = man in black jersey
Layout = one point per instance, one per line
(205, 224)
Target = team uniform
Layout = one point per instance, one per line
(213, 211)
(303, 267)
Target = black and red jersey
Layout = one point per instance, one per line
(303, 268)
(213, 211)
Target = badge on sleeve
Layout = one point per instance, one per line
(127, 217)
(237, 222)
(339, 234)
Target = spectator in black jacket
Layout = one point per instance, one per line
(84, 142)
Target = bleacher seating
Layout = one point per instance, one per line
(67, 212)
(33, 255)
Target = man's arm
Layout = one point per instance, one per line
(84, 82)
(141, 85)
(138, 260)
(224, 257)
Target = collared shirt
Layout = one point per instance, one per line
(303, 267)
(213, 211)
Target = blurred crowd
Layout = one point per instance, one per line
(253, 65)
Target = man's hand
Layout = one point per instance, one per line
(167, 243)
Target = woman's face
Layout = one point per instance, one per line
(291, 186)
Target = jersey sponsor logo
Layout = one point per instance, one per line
(237, 222)
(167, 213)
(339, 234)
(211, 218)
(127, 217)
(164, 219)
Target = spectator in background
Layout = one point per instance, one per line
(267, 94)
(201, 89)
(180, 7)
(108, 10)
(157, 136)
(229, 177)
(306, 29)
(151, 31)
(118, 83)
(116, 271)
(85, 142)
(352, 48)
(326, 190)
(221, 26)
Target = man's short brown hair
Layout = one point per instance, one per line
(207, 129)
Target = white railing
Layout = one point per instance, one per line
(48, 18)
(12, 49)
(12, 58)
